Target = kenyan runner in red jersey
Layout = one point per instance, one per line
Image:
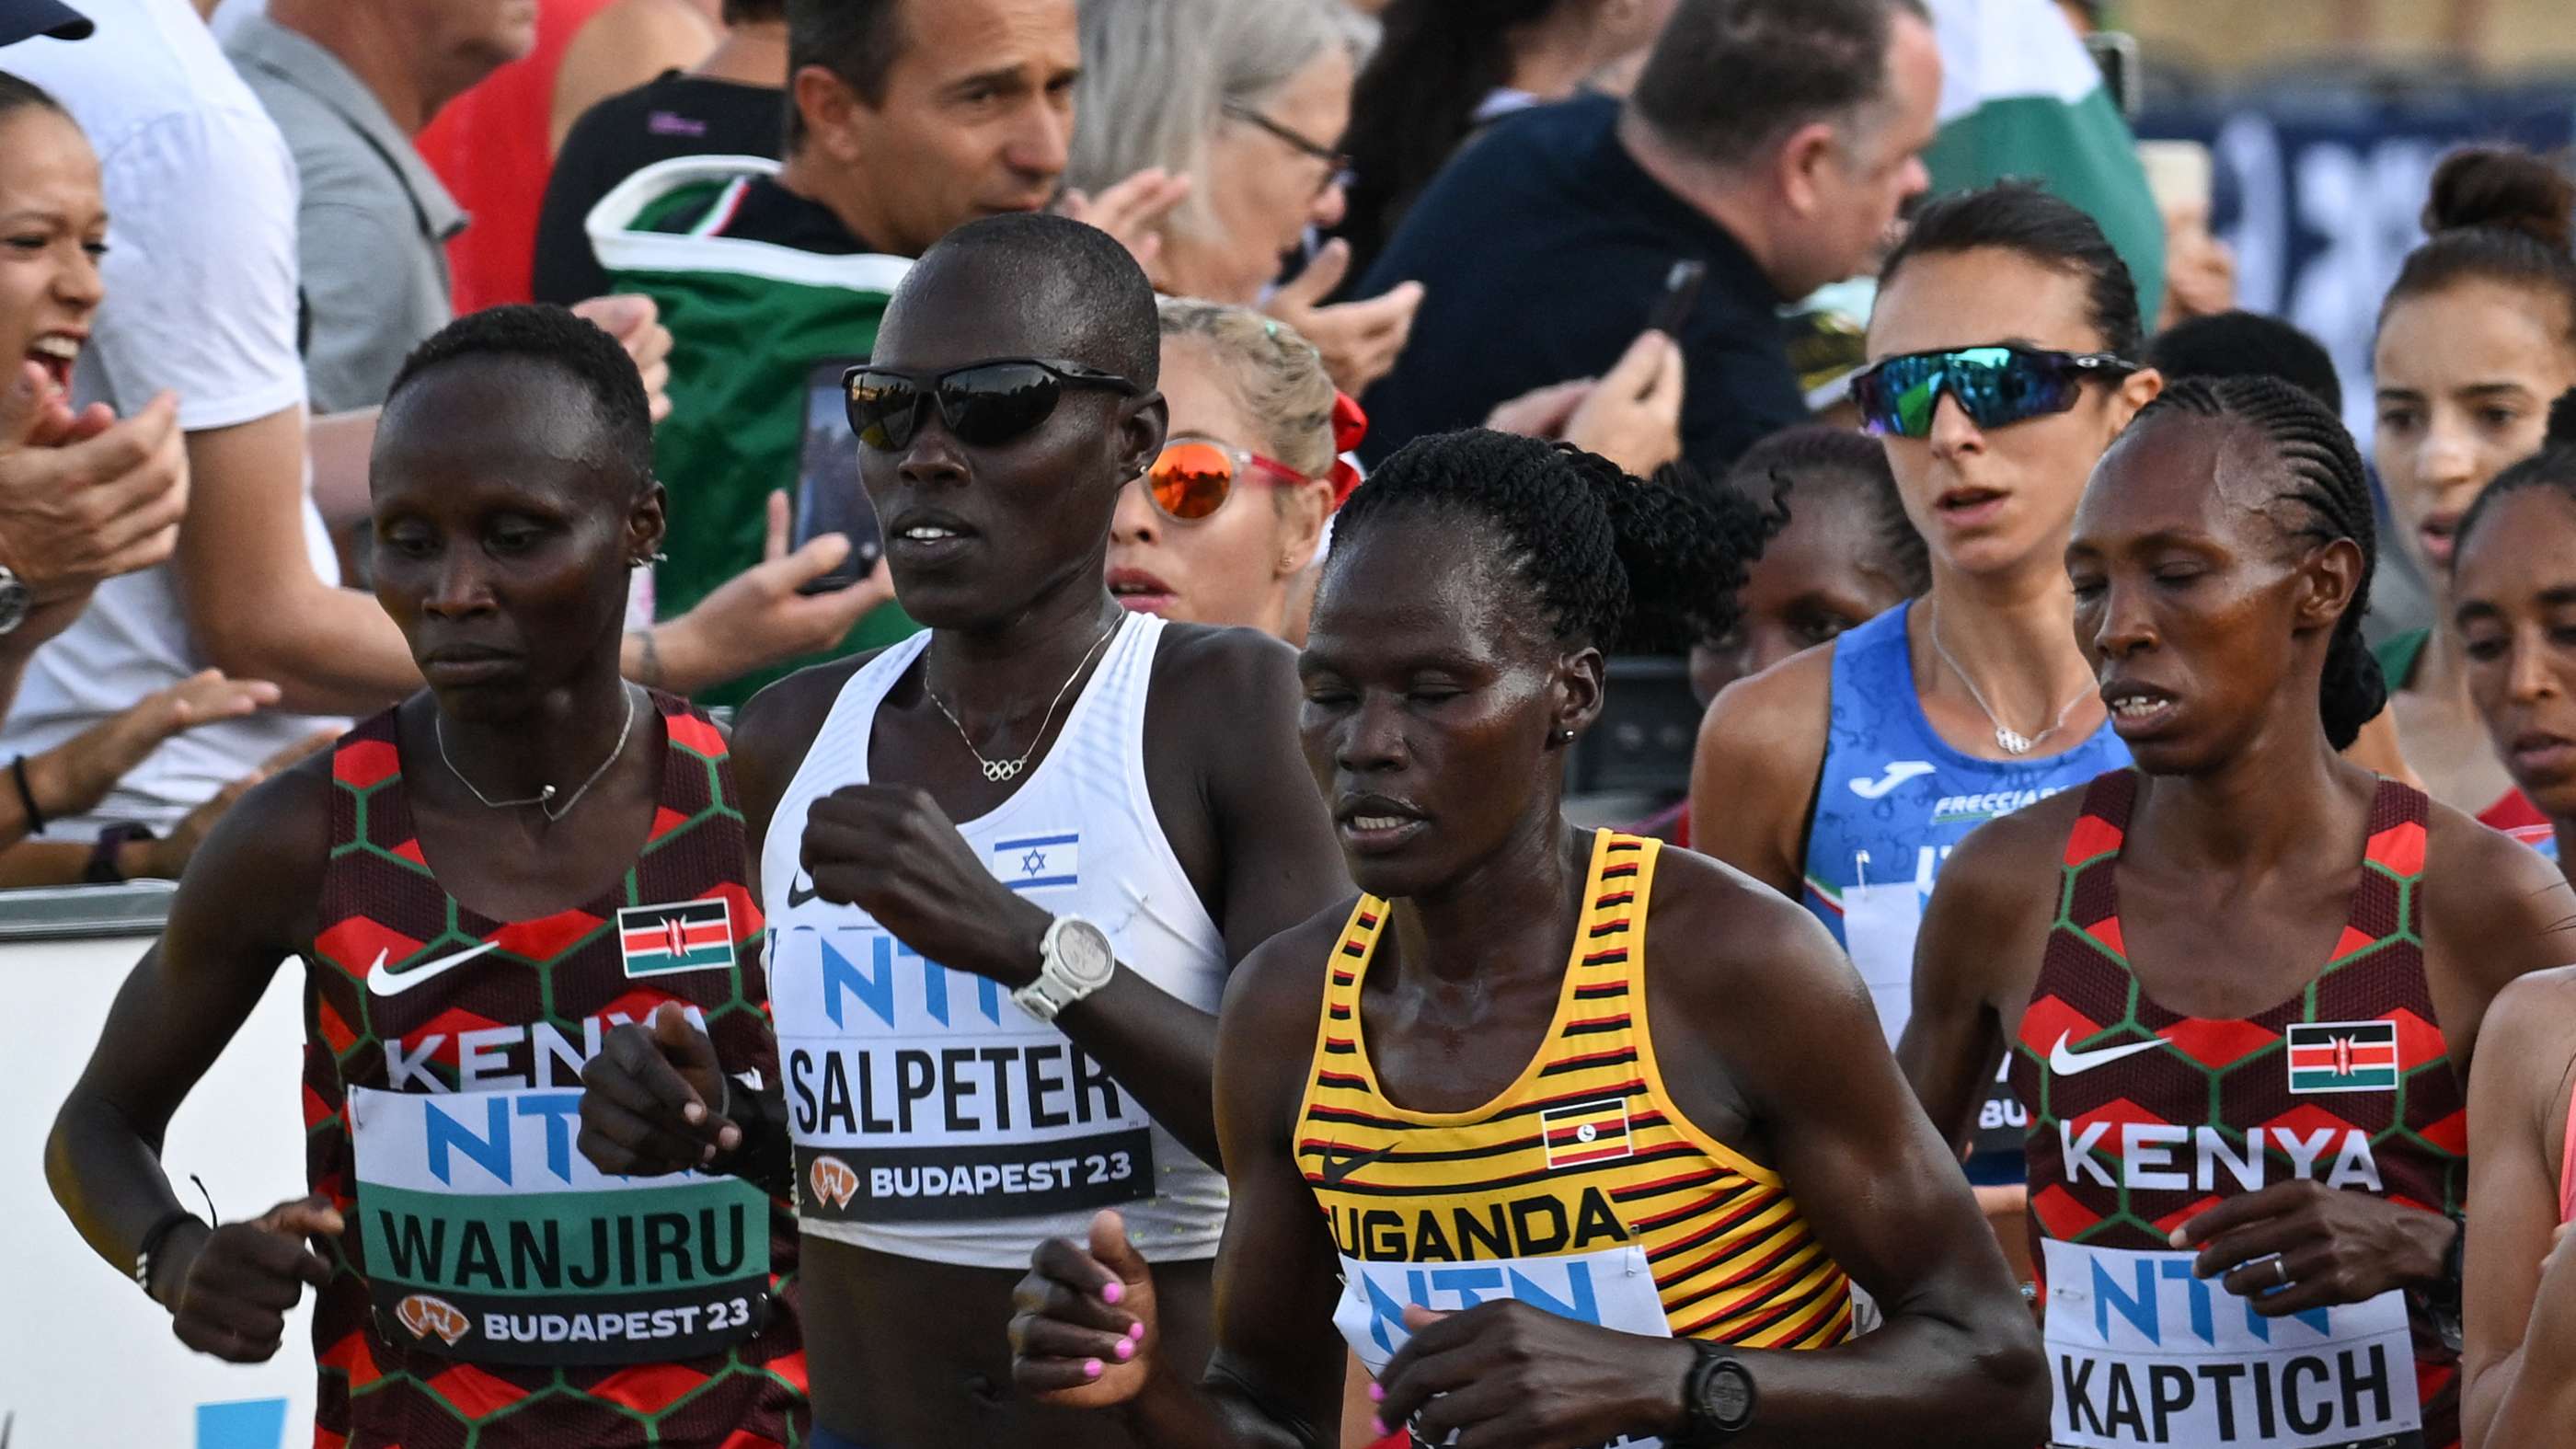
(2240, 985)
(481, 883)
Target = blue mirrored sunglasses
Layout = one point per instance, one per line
(1996, 386)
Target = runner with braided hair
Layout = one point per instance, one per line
(2239, 984)
(1564, 1200)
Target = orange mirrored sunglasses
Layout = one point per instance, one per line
(1195, 476)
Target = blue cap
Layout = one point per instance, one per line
(27, 19)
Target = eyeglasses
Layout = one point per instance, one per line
(1997, 386)
(984, 404)
(1337, 167)
(1194, 477)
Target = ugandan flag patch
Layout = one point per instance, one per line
(1582, 1132)
(2343, 1056)
(684, 936)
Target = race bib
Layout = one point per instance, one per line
(1611, 1287)
(921, 1094)
(486, 1236)
(2142, 1352)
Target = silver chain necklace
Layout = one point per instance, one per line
(543, 797)
(999, 770)
(2013, 741)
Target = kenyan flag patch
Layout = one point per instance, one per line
(686, 936)
(2343, 1056)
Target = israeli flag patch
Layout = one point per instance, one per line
(1039, 862)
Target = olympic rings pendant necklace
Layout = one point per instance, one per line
(1000, 770)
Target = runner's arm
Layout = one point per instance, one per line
(247, 903)
(1753, 772)
(1958, 1362)
(2519, 1363)
(1982, 925)
(1275, 1379)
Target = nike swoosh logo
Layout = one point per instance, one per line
(2074, 1063)
(799, 892)
(1897, 774)
(1337, 1168)
(395, 983)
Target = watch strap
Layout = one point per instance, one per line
(1055, 987)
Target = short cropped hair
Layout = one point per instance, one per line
(1732, 77)
(553, 337)
(857, 40)
(2247, 344)
(1073, 272)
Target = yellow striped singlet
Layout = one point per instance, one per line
(1580, 1189)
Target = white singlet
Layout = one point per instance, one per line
(934, 1119)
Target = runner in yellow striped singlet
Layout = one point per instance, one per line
(1583, 1169)
(1551, 1198)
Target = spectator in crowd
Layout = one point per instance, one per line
(64, 523)
(1844, 554)
(732, 103)
(1772, 140)
(2247, 344)
(1631, 415)
(623, 46)
(1225, 525)
(1445, 71)
(2476, 336)
(907, 119)
(203, 190)
(1245, 101)
(350, 86)
(23, 19)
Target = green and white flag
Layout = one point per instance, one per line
(2021, 97)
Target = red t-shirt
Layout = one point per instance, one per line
(489, 147)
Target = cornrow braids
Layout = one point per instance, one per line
(2324, 477)
(1617, 562)
(2554, 466)
(1817, 463)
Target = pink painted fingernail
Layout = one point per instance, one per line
(1377, 1393)
(1137, 1329)
(1112, 1292)
(1091, 1368)
(1125, 1350)
(1378, 1426)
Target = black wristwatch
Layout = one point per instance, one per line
(2438, 1302)
(102, 868)
(1718, 1398)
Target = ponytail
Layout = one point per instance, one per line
(1614, 561)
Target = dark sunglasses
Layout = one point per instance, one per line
(984, 404)
(1193, 477)
(1997, 386)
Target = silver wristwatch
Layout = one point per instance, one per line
(15, 600)
(1074, 960)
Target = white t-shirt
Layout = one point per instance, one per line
(201, 301)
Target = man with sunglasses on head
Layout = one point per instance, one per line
(904, 119)
(1007, 866)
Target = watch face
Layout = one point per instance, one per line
(1729, 1396)
(14, 598)
(1085, 951)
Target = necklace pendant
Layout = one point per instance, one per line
(1000, 770)
(2013, 741)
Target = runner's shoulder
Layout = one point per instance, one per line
(2007, 870)
(1282, 980)
(1780, 713)
(1736, 934)
(2490, 900)
(1200, 666)
(776, 726)
(262, 864)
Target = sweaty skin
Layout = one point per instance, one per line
(2245, 846)
(906, 1353)
(1424, 686)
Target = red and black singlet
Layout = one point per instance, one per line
(450, 1046)
(2142, 1118)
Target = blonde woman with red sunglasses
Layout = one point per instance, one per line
(1226, 525)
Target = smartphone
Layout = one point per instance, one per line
(829, 498)
(1681, 294)
(2116, 52)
